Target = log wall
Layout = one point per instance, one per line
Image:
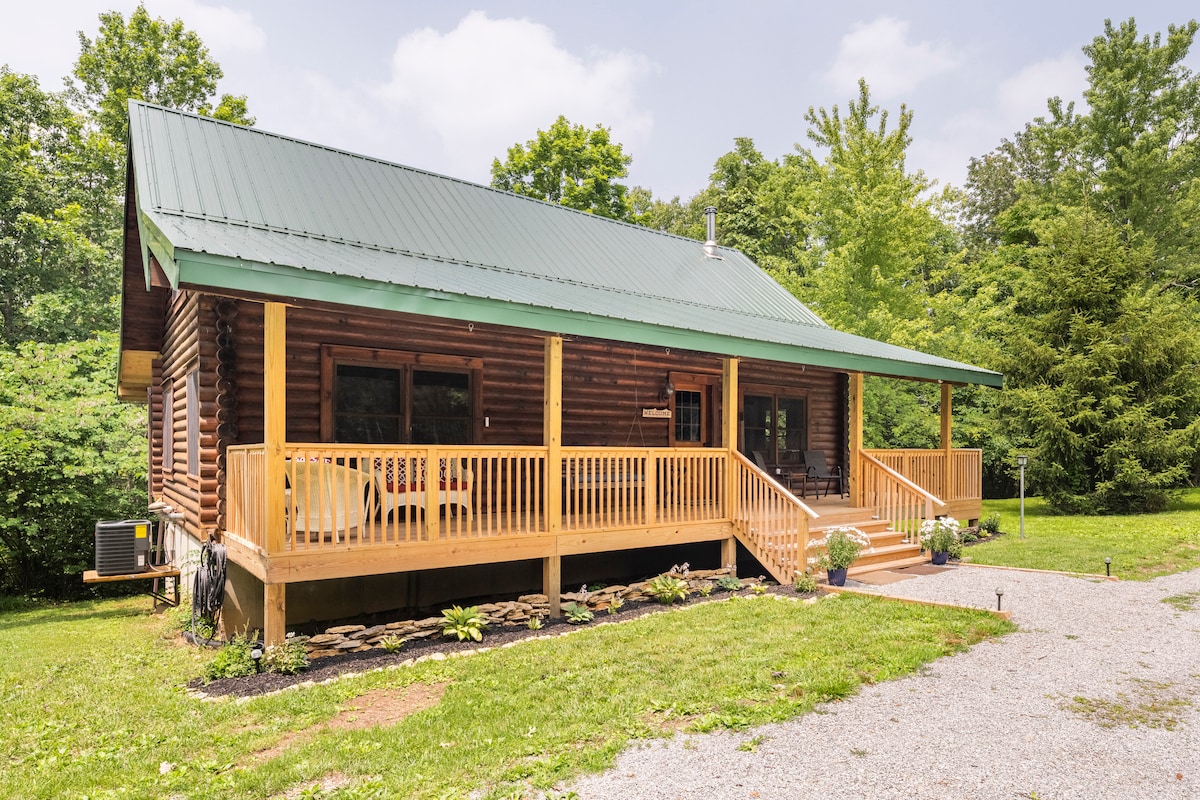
(189, 342)
(605, 386)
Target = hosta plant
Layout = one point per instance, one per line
(465, 623)
(577, 613)
(667, 589)
(729, 583)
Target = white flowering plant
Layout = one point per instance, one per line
(839, 548)
(940, 535)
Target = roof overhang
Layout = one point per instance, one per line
(207, 272)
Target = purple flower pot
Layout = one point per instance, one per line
(940, 557)
(836, 577)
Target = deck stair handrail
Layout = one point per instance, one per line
(770, 521)
(896, 498)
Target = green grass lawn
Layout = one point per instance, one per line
(94, 705)
(1141, 546)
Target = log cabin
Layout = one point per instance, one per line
(380, 387)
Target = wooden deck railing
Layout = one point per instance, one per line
(927, 469)
(773, 523)
(895, 497)
(344, 495)
(609, 488)
(245, 493)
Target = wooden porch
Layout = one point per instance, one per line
(315, 511)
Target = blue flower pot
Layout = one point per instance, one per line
(836, 577)
(940, 557)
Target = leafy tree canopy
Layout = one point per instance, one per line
(570, 165)
(148, 59)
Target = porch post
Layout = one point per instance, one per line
(274, 437)
(552, 439)
(729, 435)
(947, 446)
(856, 437)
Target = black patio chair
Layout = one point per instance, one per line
(816, 470)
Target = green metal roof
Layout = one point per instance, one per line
(235, 209)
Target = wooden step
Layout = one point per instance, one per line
(886, 554)
(819, 527)
(842, 515)
(859, 568)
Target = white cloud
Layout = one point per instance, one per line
(1016, 101)
(492, 82)
(881, 52)
(1023, 96)
(222, 29)
(36, 41)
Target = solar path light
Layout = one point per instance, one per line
(1022, 460)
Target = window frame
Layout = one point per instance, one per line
(192, 439)
(333, 356)
(168, 426)
(776, 393)
(707, 386)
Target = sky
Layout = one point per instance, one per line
(448, 86)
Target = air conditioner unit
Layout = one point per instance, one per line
(122, 547)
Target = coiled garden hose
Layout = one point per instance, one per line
(208, 585)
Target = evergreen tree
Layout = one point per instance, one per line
(1100, 369)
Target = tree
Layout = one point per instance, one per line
(569, 165)
(1101, 369)
(58, 216)
(148, 59)
(1133, 157)
(70, 455)
(876, 241)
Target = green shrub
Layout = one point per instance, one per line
(806, 583)
(991, 525)
(534, 623)
(287, 658)
(577, 613)
(465, 623)
(667, 589)
(839, 548)
(234, 660)
(615, 604)
(392, 643)
(941, 536)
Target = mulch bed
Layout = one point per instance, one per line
(330, 667)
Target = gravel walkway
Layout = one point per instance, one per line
(989, 723)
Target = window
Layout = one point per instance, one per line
(775, 424)
(689, 416)
(691, 404)
(193, 422)
(389, 397)
(168, 426)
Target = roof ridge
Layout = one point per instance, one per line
(478, 265)
(418, 170)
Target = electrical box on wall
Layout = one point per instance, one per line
(122, 547)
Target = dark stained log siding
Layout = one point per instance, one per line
(605, 384)
(189, 342)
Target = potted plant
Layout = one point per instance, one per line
(837, 551)
(940, 537)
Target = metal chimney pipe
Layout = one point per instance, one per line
(710, 246)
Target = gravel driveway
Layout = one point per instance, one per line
(994, 722)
